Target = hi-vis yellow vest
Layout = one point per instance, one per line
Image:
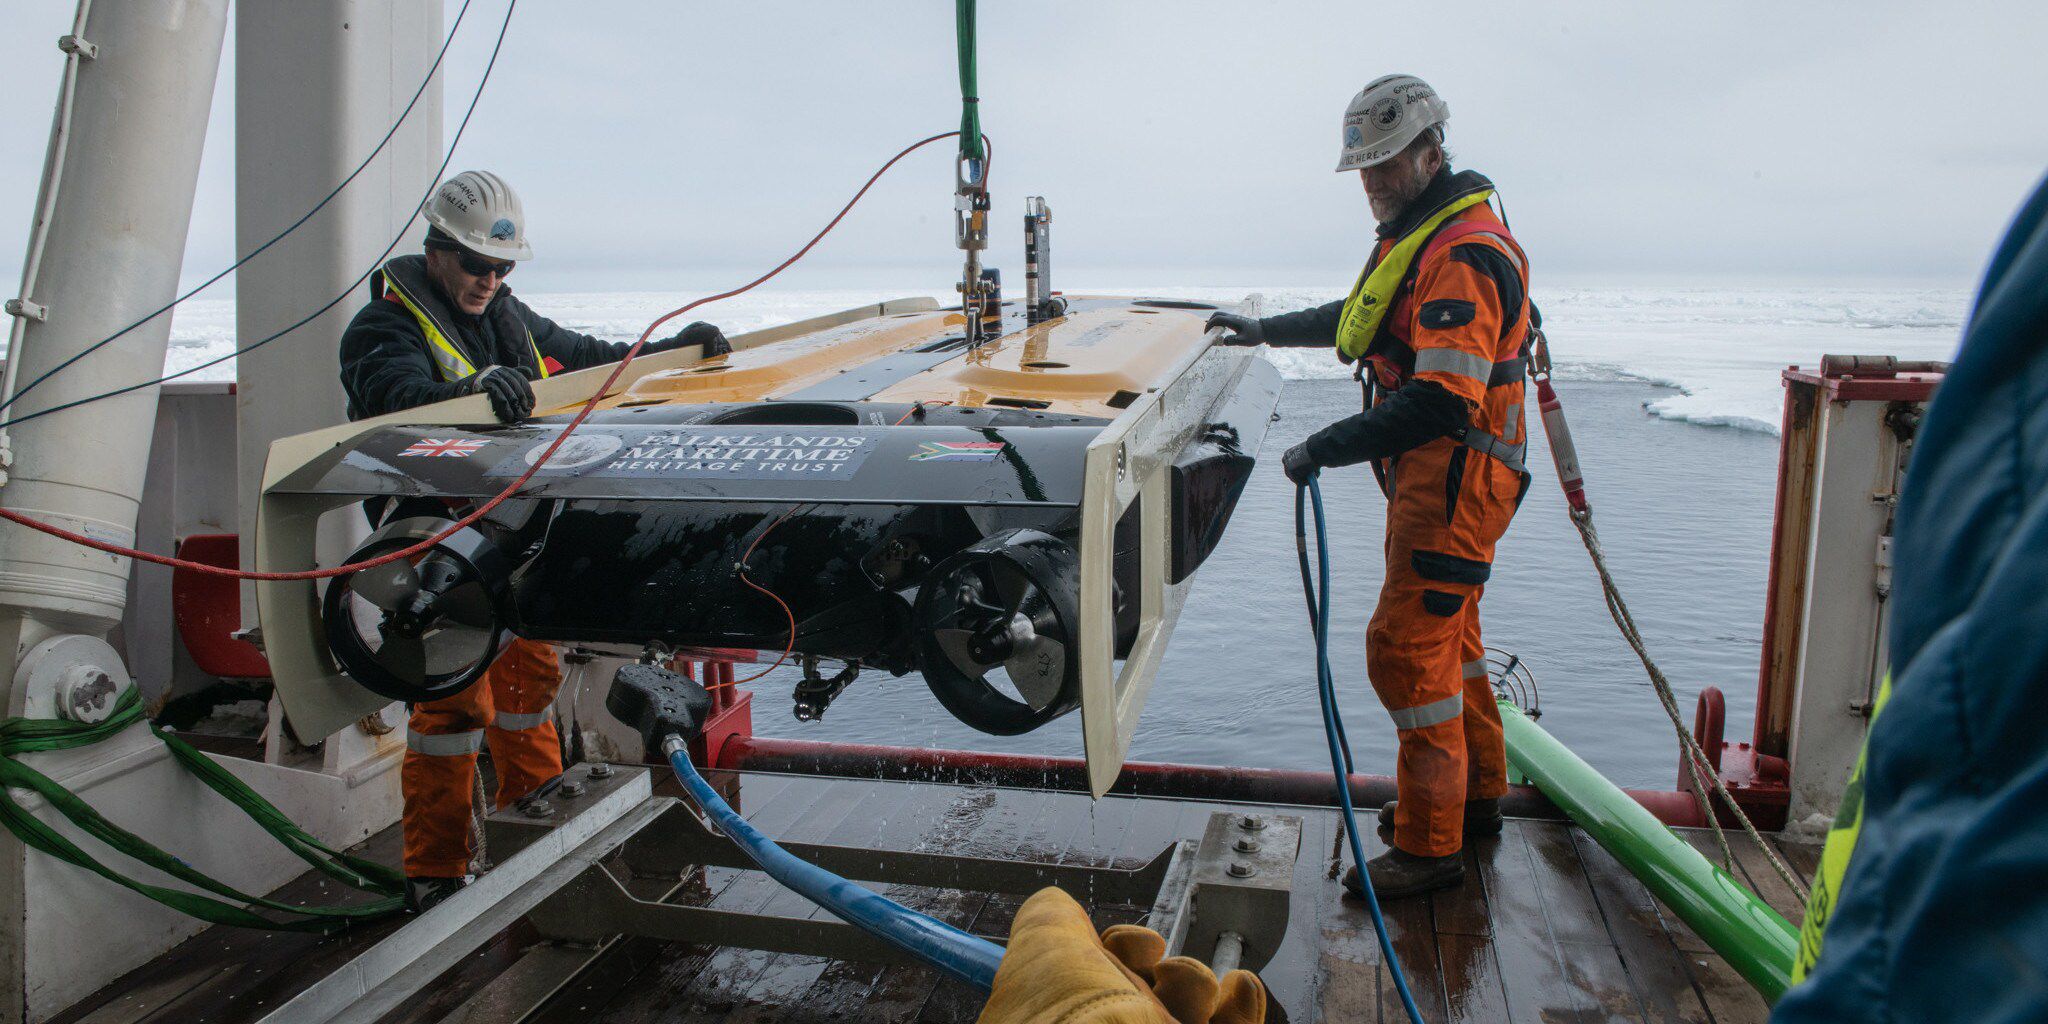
(1834, 857)
(1374, 293)
(448, 358)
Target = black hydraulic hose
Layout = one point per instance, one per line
(433, 69)
(346, 292)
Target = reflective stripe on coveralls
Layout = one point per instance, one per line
(454, 744)
(507, 708)
(1446, 511)
(1428, 714)
(511, 722)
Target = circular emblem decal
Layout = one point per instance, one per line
(1386, 113)
(503, 230)
(578, 451)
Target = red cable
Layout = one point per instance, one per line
(791, 645)
(510, 489)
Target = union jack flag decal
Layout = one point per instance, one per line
(958, 451)
(453, 448)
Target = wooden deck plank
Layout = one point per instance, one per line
(1472, 981)
(1803, 857)
(1657, 969)
(1730, 999)
(1579, 923)
(1411, 928)
(1324, 942)
(1532, 966)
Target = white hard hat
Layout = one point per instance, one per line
(482, 214)
(1385, 117)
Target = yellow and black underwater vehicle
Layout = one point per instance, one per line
(1012, 511)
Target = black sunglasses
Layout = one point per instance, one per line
(478, 266)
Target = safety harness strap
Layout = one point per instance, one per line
(1429, 714)
(25, 735)
(1510, 455)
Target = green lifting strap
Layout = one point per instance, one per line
(26, 735)
(970, 98)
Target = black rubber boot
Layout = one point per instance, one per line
(421, 894)
(1396, 874)
(1482, 818)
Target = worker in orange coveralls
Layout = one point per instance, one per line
(441, 325)
(1437, 325)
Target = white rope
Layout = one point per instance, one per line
(1691, 754)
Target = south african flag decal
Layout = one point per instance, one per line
(958, 451)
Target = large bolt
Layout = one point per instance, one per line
(1239, 869)
(1245, 846)
(600, 770)
(87, 694)
(1251, 823)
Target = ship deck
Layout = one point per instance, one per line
(1546, 927)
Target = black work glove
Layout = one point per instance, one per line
(1238, 330)
(1299, 464)
(510, 393)
(699, 333)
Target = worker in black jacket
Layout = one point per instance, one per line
(441, 325)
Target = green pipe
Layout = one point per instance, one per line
(1753, 938)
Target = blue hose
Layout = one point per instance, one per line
(966, 957)
(1318, 591)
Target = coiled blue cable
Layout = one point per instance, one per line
(1318, 591)
(966, 957)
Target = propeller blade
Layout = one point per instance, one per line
(469, 604)
(388, 586)
(452, 648)
(405, 657)
(1037, 668)
(954, 643)
(1013, 585)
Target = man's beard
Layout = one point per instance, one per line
(1393, 207)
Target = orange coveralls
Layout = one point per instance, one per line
(508, 708)
(1448, 502)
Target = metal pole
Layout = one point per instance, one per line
(116, 226)
(1753, 938)
(106, 249)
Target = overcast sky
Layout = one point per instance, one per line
(668, 145)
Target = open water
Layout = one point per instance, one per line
(1673, 397)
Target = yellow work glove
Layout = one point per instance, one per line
(1058, 971)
